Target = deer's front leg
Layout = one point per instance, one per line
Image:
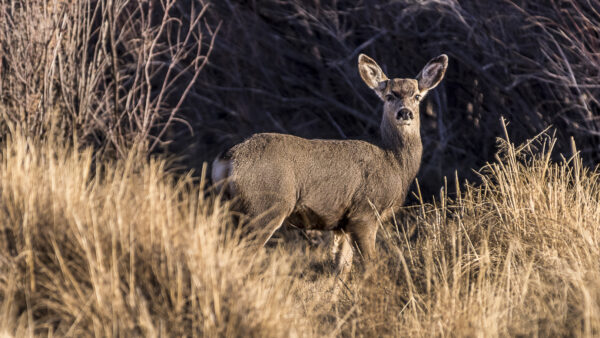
(363, 232)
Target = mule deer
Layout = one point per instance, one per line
(334, 184)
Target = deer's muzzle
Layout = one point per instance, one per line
(404, 114)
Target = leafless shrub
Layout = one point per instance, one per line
(290, 66)
(113, 73)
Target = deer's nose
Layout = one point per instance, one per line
(404, 114)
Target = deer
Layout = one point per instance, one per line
(344, 186)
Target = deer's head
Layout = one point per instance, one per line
(401, 97)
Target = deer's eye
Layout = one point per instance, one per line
(418, 97)
(389, 97)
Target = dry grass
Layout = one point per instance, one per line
(124, 248)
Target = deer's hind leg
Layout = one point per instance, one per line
(267, 213)
(343, 253)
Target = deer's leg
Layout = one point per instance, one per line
(267, 218)
(363, 232)
(343, 254)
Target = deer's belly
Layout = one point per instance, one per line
(311, 219)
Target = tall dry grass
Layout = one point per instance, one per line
(124, 248)
(516, 255)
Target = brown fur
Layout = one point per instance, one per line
(336, 184)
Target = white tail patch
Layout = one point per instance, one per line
(221, 169)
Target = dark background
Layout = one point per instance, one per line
(291, 67)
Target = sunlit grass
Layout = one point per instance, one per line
(124, 248)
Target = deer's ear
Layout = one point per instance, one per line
(432, 73)
(371, 73)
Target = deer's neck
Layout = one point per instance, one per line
(405, 147)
